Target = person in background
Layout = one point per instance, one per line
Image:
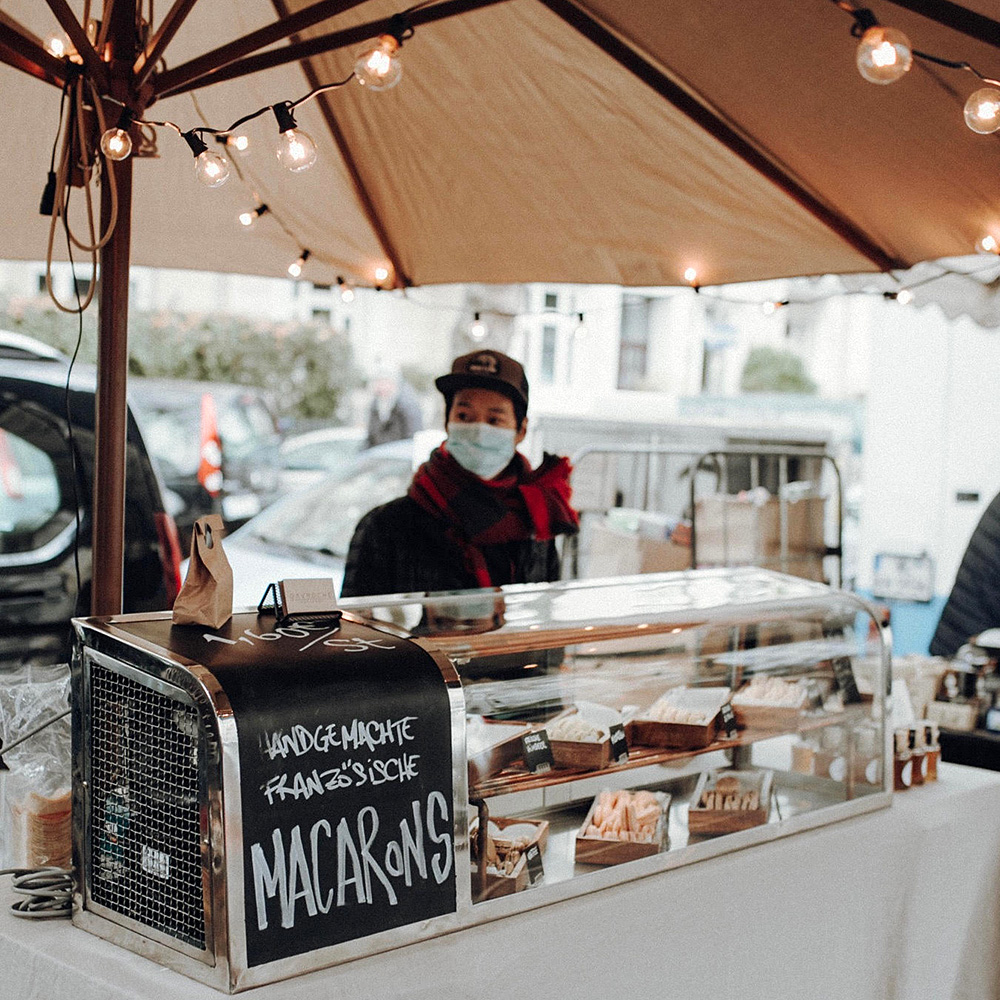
(476, 513)
(394, 413)
(974, 602)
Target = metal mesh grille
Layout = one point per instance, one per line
(145, 842)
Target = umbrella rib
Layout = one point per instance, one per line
(168, 86)
(210, 62)
(636, 63)
(400, 277)
(147, 60)
(956, 17)
(78, 37)
(20, 49)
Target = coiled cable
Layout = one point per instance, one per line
(49, 891)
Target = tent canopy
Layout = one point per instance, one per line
(543, 140)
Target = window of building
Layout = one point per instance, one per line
(548, 362)
(41, 284)
(551, 300)
(321, 316)
(633, 351)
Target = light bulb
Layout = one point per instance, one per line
(57, 46)
(904, 296)
(380, 68)
(211, 168)
(690, 275)
(982, 110)
(346, 290)
(478, 329)
(239, 144)
(295, 268)
(296, 150)
(769, 308)
(987, 244)
(116, 144)
(381, 273)
(248, 219)
(884, 54)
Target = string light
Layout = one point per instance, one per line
(295, 268)
(690, 275)
(988, 244)
(381, 273)
(211, 168)
(249, 219)
(240, 144)
(982, 110)
(346, 290)
(57, 46)
(296, 150)
(116, 143)
(884, 54)
(478, 329)
(580, 329)
(770, 308)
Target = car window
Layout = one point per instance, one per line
(244, 426)
(173, 437)
(32, 510)
(328, 455)
(323, 518)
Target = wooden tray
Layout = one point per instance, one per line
(677, 735)
(582, 755)
(489, 884)
(499, 753)
(778, 718)
(712, 821)
(599, 851)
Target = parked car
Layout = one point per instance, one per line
(308, 457)
(21, 347)
(306, 534)
(216, 446)
(45, 512)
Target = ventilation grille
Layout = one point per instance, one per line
(145, 843)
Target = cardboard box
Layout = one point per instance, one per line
(730, 531)
(623, 553)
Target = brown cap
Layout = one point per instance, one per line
(487, 370)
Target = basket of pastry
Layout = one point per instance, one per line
(508, 848)
(492, 746)
(623, 826)
(769, 703)
(582, 737)
(725, 801)
(684, 718)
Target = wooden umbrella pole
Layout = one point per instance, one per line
(112, 345)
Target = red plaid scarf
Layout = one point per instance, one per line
(521, 503)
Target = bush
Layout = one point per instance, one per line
(768, 369)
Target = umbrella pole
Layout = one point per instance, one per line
(112, 348)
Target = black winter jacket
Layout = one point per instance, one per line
(399, 548)
(974, 602)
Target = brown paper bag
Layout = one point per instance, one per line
(207, 595)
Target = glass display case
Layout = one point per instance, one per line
(620, 727)
(274, 796)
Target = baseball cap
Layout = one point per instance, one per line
(486, 370)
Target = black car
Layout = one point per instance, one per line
(45, 512)
(216, 446)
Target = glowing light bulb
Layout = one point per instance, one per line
(769, 308)
(57, 46)
(982, 110)
(904, 296)
(296, 151)
(116, 144)
(240, 144)
(987, 244)
(346, 290)
(211, 168)
(690, 275)
(478, 329)
(248, 219)
(380, 68)
(884, 55)
(295, 268)
(381, 273)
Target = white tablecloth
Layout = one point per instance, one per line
(902, 903)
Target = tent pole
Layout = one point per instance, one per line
(112, 348)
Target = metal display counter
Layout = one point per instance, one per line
(896, 903)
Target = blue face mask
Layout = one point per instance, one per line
(482, 449)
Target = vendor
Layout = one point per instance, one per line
(476, 513)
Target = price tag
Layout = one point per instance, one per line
(537, 752)
(813, 694)
(533, 856)
(619, 745)
(844, 674)
(728, 720)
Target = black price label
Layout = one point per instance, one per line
(813, 694)
(537, 752)
(533, 856)
(844, 674)
(619, 745)
(728, 720)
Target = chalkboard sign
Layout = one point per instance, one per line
(844, 674)
(345, 778)
(619, 745)
(535, 870)
(537, 751)
(728, 720)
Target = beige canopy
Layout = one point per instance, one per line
(621, 141)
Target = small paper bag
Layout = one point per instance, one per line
(207, 595)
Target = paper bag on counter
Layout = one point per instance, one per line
(207, 595)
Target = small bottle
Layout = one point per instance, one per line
(831, 760)
(918, 756)
(902, 764)
(866, 763)
(933, 749)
